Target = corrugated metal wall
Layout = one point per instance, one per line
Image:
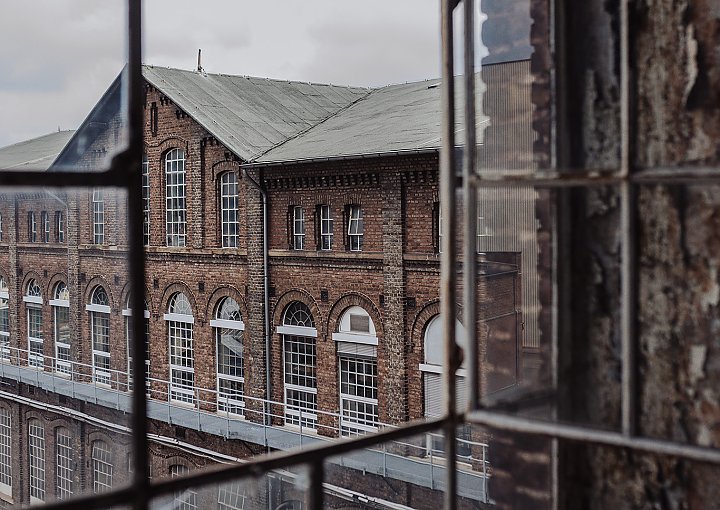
(508, 214)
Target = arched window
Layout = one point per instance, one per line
(102, 466)
(5, 452)
(99, 309)
(98, 216)
(146, 199)
(127, 313)
(180, 322)
(182, 499)
(175, 206)
(63, 463)
(61, 318)
(36, 459)
(432, 370)
(33, 304)
(229, 209)
(229, 327)
(4, 320)
(300, 362)
(356, 343)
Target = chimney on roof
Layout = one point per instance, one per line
(199, 68)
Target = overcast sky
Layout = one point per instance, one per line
(57, 57)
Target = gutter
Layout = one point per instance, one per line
(268, 383)
(370, 155)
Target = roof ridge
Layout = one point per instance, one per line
(302, 132)
(280, 80)
(51, 133)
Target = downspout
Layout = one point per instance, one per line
(266, 291)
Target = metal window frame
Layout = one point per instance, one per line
(229, 217)
(36, 460)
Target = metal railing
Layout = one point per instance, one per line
(209, 402)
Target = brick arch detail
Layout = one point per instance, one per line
(355, 299)
(421, 320)
(94, 282)
(26, 279)
(222, 292)
(54, 280)
(169, 143)
(126, 291)
(177, 459)
(179, 287)
(4, 274)
(304, 297)
(224, 166)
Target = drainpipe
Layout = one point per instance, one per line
(266, 291)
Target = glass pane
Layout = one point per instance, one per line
(62, 91)
(411, 472)
(285, 490)
(59, 345)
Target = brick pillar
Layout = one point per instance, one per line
(75, 286)
(391, 356)
(14, 275)
(255, 323)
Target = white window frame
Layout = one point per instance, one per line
(102, 466)
(184, 499)
(230, 388)
(63, 353)
(175, 198)
(98, 216)
(100, 334)
(181, 357)
(127, 313)
(6, 457)
(356, 228)
(305, 414)
(326, 227)
(298, 226)
(45, 221)
(230, 226)
(32, 234)
(64, 463)
(60, 225)
(36, 460)
(146, 199)
(4, 321)
(231, 496)
(33, 305)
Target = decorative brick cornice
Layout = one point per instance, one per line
(324, 181)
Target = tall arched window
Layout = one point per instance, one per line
(229, 327)
(61, 318)
(182, 499)
(64, 462)
(36, 459)
(300, 362)
(4, 320)
(99, 309)
(5, 452)
(175, 206)
(33, 303)
(432, 370)
(229, 209)
(356, 343)
(98, 216)
(127, 313)
(180, 322)
(146, 199)
(102, 466)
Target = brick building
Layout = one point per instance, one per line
(292, 236)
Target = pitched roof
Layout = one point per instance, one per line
(406, 118)
(251, 115)
(36, 153)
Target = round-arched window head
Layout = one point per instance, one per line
(357, 321)
(228, 310)
(61, 292)
(298, 314)
(434, 345)
(99, 296)
(180, 304)
(33, 289)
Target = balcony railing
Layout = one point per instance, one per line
(256, 420)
